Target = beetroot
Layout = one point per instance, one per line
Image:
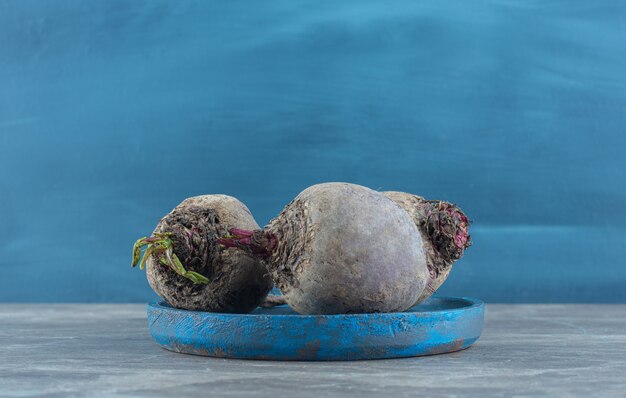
(445, 234)
(186, 266)
(340, 248)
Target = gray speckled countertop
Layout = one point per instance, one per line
(76, 350)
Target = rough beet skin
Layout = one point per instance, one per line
(341, 248)
(212, 278)
(445, 234)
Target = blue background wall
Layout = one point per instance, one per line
(112, 112)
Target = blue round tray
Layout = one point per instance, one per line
(439, 325)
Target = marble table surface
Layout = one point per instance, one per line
(105, 350)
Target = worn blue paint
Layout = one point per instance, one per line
(442, 324)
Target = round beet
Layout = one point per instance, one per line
(445, 234)
(190, 270)
(341, 248)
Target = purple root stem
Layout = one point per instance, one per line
(241, 232)
(256, 242)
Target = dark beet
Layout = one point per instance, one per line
(186, 266)
(340, 248)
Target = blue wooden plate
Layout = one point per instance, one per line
(439, 325)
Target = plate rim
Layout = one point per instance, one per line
(473, 304)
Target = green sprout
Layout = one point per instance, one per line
(160, 243)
